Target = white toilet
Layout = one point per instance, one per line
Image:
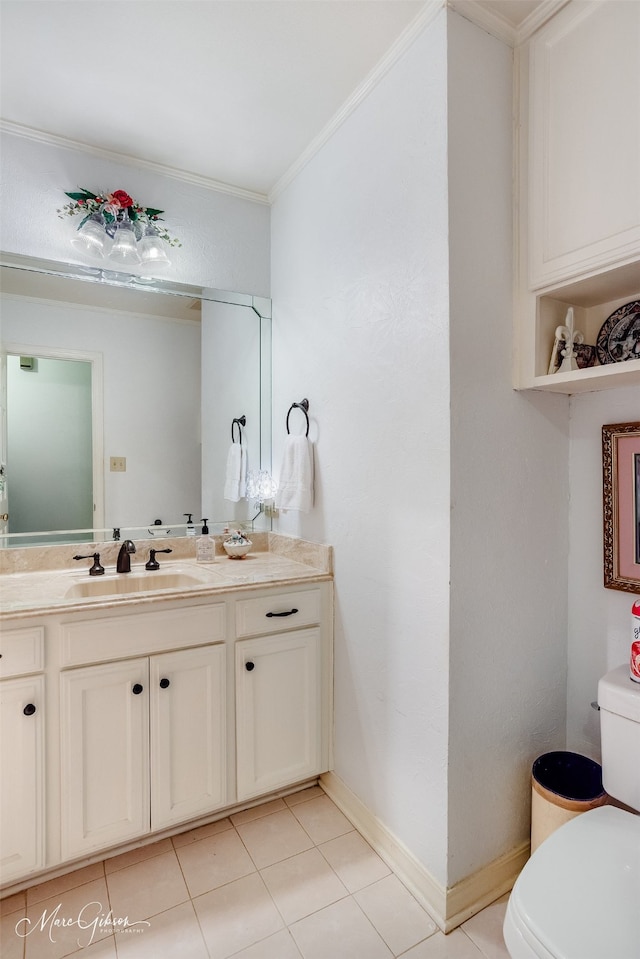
(578, 897)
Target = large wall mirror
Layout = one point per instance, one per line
(119, 397)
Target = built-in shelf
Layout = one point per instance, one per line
(594, 299)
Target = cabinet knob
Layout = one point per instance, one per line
(29, 709)
(249, 666)
(164, 683)
(289, 612)
(137, 689)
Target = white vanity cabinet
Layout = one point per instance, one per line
(282, 690)
(143, 740)
(278, 720)
(161, 715)
(104, 755)
(22, 757)
(188, 734)
(143, 746)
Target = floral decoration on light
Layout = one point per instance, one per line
(114, 207)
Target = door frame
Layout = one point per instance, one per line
(97, 410)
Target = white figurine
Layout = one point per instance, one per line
(571, 339)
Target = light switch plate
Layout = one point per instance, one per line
(118, 464)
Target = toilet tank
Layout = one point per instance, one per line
(619, 701)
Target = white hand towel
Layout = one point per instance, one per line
(234, 473)
(242, 487)
(295, 487)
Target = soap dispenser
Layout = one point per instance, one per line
(205, 545)
(191, 530)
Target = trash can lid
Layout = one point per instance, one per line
(569, 775)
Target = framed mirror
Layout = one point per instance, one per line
(149, 376)
(621, 505)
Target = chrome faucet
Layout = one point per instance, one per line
(123, 564)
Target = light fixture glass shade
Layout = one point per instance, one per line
(91, 239)
(125, 247)
(152, 249)
(260, 485)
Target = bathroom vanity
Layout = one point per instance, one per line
(132, 707)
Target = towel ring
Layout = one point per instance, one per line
(241, 421)
(304, 406)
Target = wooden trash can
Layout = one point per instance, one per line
(563, 785)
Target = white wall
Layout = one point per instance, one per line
(225, 239)
(509, 488)
(359, 280)
(151, 371)
(599, 618)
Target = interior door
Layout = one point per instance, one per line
(4, 488)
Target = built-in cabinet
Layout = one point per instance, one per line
(579, 195)
(22, 753)
(143, 746)
(158, 718)
(277, 709)
(21, 776)
(279, 681)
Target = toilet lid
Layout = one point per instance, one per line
(579, 894)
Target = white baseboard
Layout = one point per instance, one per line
(447, 907)
(484, 886)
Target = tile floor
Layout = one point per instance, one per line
(290, 879)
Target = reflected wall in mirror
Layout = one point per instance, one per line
(171, 366)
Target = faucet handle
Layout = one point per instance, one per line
(152, 562)
(96, 569)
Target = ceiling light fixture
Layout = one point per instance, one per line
(116, 227)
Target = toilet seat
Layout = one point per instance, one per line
(577, 897)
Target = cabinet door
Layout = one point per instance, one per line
(105, 755)
(188, 734)
(584, 203)
(21, 777)
(278, 722)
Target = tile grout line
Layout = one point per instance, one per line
(234, 827)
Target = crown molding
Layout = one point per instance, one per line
(499, 27)
(41, 136)
(537, 19)
(494, 24)
(426, 16)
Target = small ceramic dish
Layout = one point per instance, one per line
(236, 549)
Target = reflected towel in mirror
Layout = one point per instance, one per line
(295, 486)
(235, 485)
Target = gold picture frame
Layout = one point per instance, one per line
(621, 506)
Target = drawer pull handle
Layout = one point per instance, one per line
(164, 683)
(289, 612)
(29, 709)
(249, 666)
(137, 689)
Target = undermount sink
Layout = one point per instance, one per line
(131, 583)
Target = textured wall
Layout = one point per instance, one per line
(225, 239)
(599, 618)
(509, 489)
(359, 282)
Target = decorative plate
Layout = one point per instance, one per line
(619, 336)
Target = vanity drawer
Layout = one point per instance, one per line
(21, 651)
(120, 637)
(273, 613)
